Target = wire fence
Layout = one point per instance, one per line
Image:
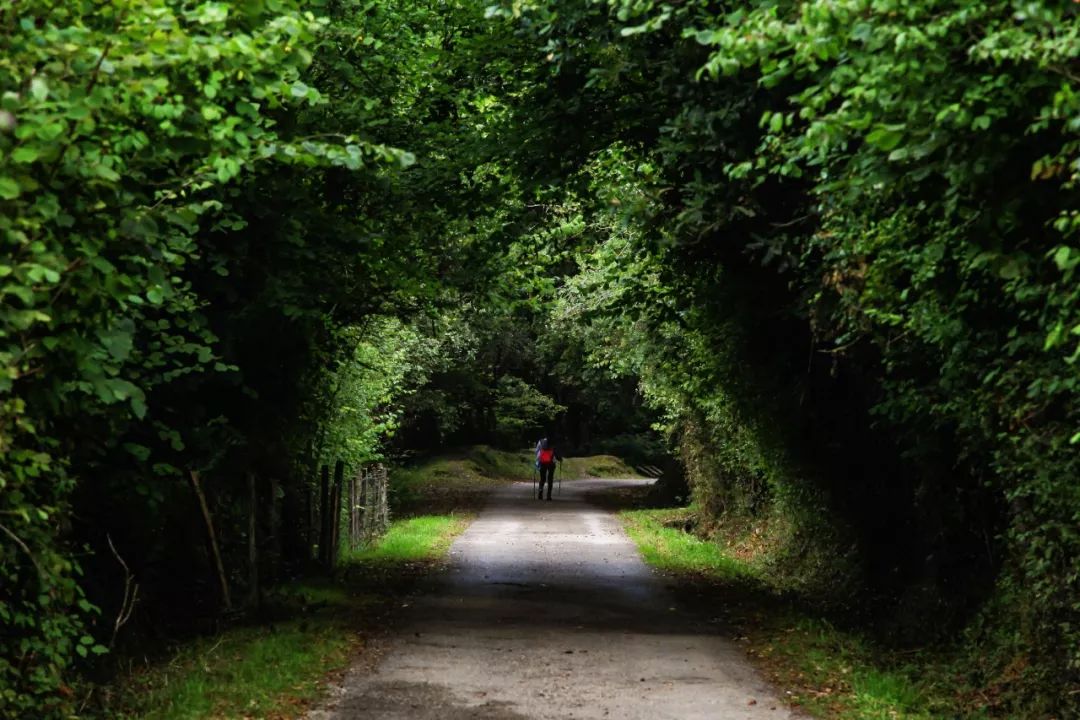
(363, 497)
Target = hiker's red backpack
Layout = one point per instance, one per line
(547, 455)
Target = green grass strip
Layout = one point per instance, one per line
(835, 674)
(278, 671)
(244, 672)
(426, 537)
(676, 551)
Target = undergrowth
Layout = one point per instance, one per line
(259, 671)
(830, 672)
(277, 669)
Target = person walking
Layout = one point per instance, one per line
(546, 457)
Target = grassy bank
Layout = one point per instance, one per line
(829, 672)
(271, 670)
(459, 481)
(278, 668)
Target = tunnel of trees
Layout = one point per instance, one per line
(821, 255)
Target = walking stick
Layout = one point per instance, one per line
(534, 480)
(560, 478)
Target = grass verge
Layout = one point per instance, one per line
(266, 671)
(423, 538)
(829, 672)
(277, 669)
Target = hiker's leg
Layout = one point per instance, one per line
(546, 475)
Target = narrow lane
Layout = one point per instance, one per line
(548, 611)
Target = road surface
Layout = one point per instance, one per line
(548, 611)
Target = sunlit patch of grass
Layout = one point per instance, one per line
(840, 674)
(426, 537)
(501, 464)
(885, 695)
(677, 551)
(597, 466)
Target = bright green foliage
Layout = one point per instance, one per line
(945, 231)
(521, 410)
(366, 389)
(123, 128)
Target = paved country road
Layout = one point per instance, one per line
(548, 611)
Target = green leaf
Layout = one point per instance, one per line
(885, 137)
(25, 154)
(138, 404)
(24, 293)
(119, 340)
(1065, 258)
(39, 89)
(9, 189)
(212, 13)
(1011, 269)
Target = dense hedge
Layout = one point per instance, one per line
(859, 213)
(196, 276)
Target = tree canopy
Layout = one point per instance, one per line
(827, 250)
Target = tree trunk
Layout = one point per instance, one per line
(253, 546)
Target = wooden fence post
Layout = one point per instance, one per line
(369, 505)
(309, 521)
(335, 517)
(354, 527)
(384, 499)
(324, 516)
(253, 546)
